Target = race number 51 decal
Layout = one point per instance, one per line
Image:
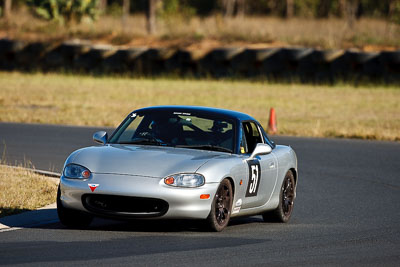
(254, 178)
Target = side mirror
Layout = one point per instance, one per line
(100, 137)
(261, 149)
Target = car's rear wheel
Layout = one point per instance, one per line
(221, 207)
(286, 201)
(71, 218)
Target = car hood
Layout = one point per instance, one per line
(147, 161)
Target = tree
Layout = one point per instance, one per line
(228, 7)
(125, 13)
(241, 7)
(151, 16)
(7, 8)
(342, 8)
(289, 8)
(103, 6)
(351, 12)
(394, 11)
(324, 8)
(233, 7)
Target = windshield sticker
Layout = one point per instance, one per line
(133, 115)
(182, 113)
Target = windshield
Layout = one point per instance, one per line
(176, 129)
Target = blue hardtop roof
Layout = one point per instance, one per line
(200, 110)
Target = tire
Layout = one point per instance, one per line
(286, 201)
(221, 207)
(71, 218)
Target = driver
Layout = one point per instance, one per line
(159, 128)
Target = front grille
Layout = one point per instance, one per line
(124, 206)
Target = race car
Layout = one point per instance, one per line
(180, 162)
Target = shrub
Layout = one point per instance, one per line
(64, 11)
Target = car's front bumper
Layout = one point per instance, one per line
(182, 202)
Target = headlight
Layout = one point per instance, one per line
(185, 180)
(76, 171)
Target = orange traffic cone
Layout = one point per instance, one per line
(272, 122)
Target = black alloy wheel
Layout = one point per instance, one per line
(286, 201)
(221, 207)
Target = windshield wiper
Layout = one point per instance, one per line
(148, 140)
(207, 147)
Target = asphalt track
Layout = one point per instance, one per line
(346, 213)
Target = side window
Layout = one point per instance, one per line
(243, 144)
(252, 134)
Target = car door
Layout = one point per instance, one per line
(261, 171)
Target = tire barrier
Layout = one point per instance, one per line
(155, 61)
(390, 62)
(249, 63)
(64, 56)
(93, 59)
(285, 64)
(31, 55)
(354, 65)
(316, 66)
(8, 51)
(217, 62)
(124, 61)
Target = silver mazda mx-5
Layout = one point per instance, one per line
(180, 162)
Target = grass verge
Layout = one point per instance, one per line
(369, 112)
(23, 190)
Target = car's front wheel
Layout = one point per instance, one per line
(286, 201)
(71, 218)
(221, 207)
